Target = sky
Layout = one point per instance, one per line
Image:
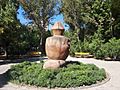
(25, 21)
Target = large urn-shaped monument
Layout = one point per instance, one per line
(57, 48)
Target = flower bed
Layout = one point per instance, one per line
(83, 55)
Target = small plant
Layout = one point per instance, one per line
(73, 74)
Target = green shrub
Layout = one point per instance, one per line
(111, 48)
(102, 50)
(73, 74)
(95, 45)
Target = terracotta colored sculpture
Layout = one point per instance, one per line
(57, 47)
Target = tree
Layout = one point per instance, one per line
(116, 14)
(8, 22)
(101, 16)
(74, 12)
(89, 16)
(71, 10)
(13, 34)
(115, 8)
(40, 12)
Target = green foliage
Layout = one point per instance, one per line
(74, 41)
(94, 14)
(115, 13)
(100, 16)
(96, 46)
(7, 13)
(72, 12)
(115, 8)
(102, 50)
(16, 38)
(111, 49)
(9, 25)
(74, 74)
(96, 43)
(100, 26)
(115, 47)
(75, 44)
(41, 13)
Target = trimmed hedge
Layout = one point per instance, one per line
(73, 74)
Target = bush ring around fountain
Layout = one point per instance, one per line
(35, 67)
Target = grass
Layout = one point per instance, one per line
(73, 74)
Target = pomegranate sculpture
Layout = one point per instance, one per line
(57, 48)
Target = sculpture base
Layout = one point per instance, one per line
(53, 64)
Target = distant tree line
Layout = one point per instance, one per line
(92, 24)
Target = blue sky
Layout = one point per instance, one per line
(21, 17)
(25, 21)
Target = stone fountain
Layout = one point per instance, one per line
(57, 48)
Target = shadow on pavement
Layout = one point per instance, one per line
(32, 59)
(3, 80)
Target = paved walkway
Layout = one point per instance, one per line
(112, 67)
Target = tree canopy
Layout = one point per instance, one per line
(40, 12)
(91, 22)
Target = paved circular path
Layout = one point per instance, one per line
(112, 67)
